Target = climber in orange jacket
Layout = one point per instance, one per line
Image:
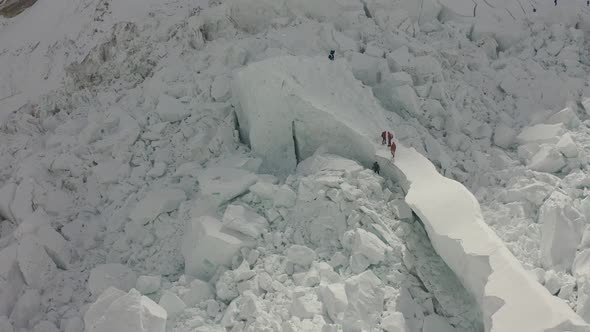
(393, 147)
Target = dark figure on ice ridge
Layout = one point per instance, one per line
(384, 137)
(376, 167)
(331, 56)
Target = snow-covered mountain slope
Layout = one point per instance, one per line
(118, 140)
(281, 95)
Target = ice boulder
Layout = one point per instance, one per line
(11, 279)
(115, 310)
(155, 203)
(306, 306)
(368, 69)
(221, 88)
(401, 209)
(199, 291)
(560, 231)
(205, 247)
(22, 203)
(394, 322)
(72, 324)
(566, 116)
(399, 59)
(366, 301)
(221, 184)
(289, 106)
(171, 303)
(581, 266)
(421, 13)
(111, 275)
(26, 308)
(426, 69)
(583, 303)
(541, 133)
(109, 172)
(254, 16)
(586, 104)
(399, 79)
(243, 220)
(547, 159)
(435, 323)
(171, 109)
(301, 255)
(285, 197)
(368, 245)
(399, 99)
(504, 136)
(148, 284)
(45, 326)
(5, 324)
(37, 226)
(37, 268)
(585, 243)
(335, 301)
(567, 146)
(6, 197)
(496, 21)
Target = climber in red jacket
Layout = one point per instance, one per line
(393, 147)
(384, 137)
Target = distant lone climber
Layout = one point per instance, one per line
(331, 56)
(389, 138)
(384, 137)
(555, 2)
(376, 167)
(587, 2)
(393, 148)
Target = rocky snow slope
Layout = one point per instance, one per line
(118, 136)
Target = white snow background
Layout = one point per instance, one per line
(202, 166)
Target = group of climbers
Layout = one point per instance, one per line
(387, 137)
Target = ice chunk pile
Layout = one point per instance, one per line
(240, 219)
(206, 246)
(561, 231)
(221, 184)
(170, 109)
(549, 147)
(302, 273)
(111, 275)
(115, 310)
(156, 203)
(491, 278)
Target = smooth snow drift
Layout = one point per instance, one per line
(335, 113)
